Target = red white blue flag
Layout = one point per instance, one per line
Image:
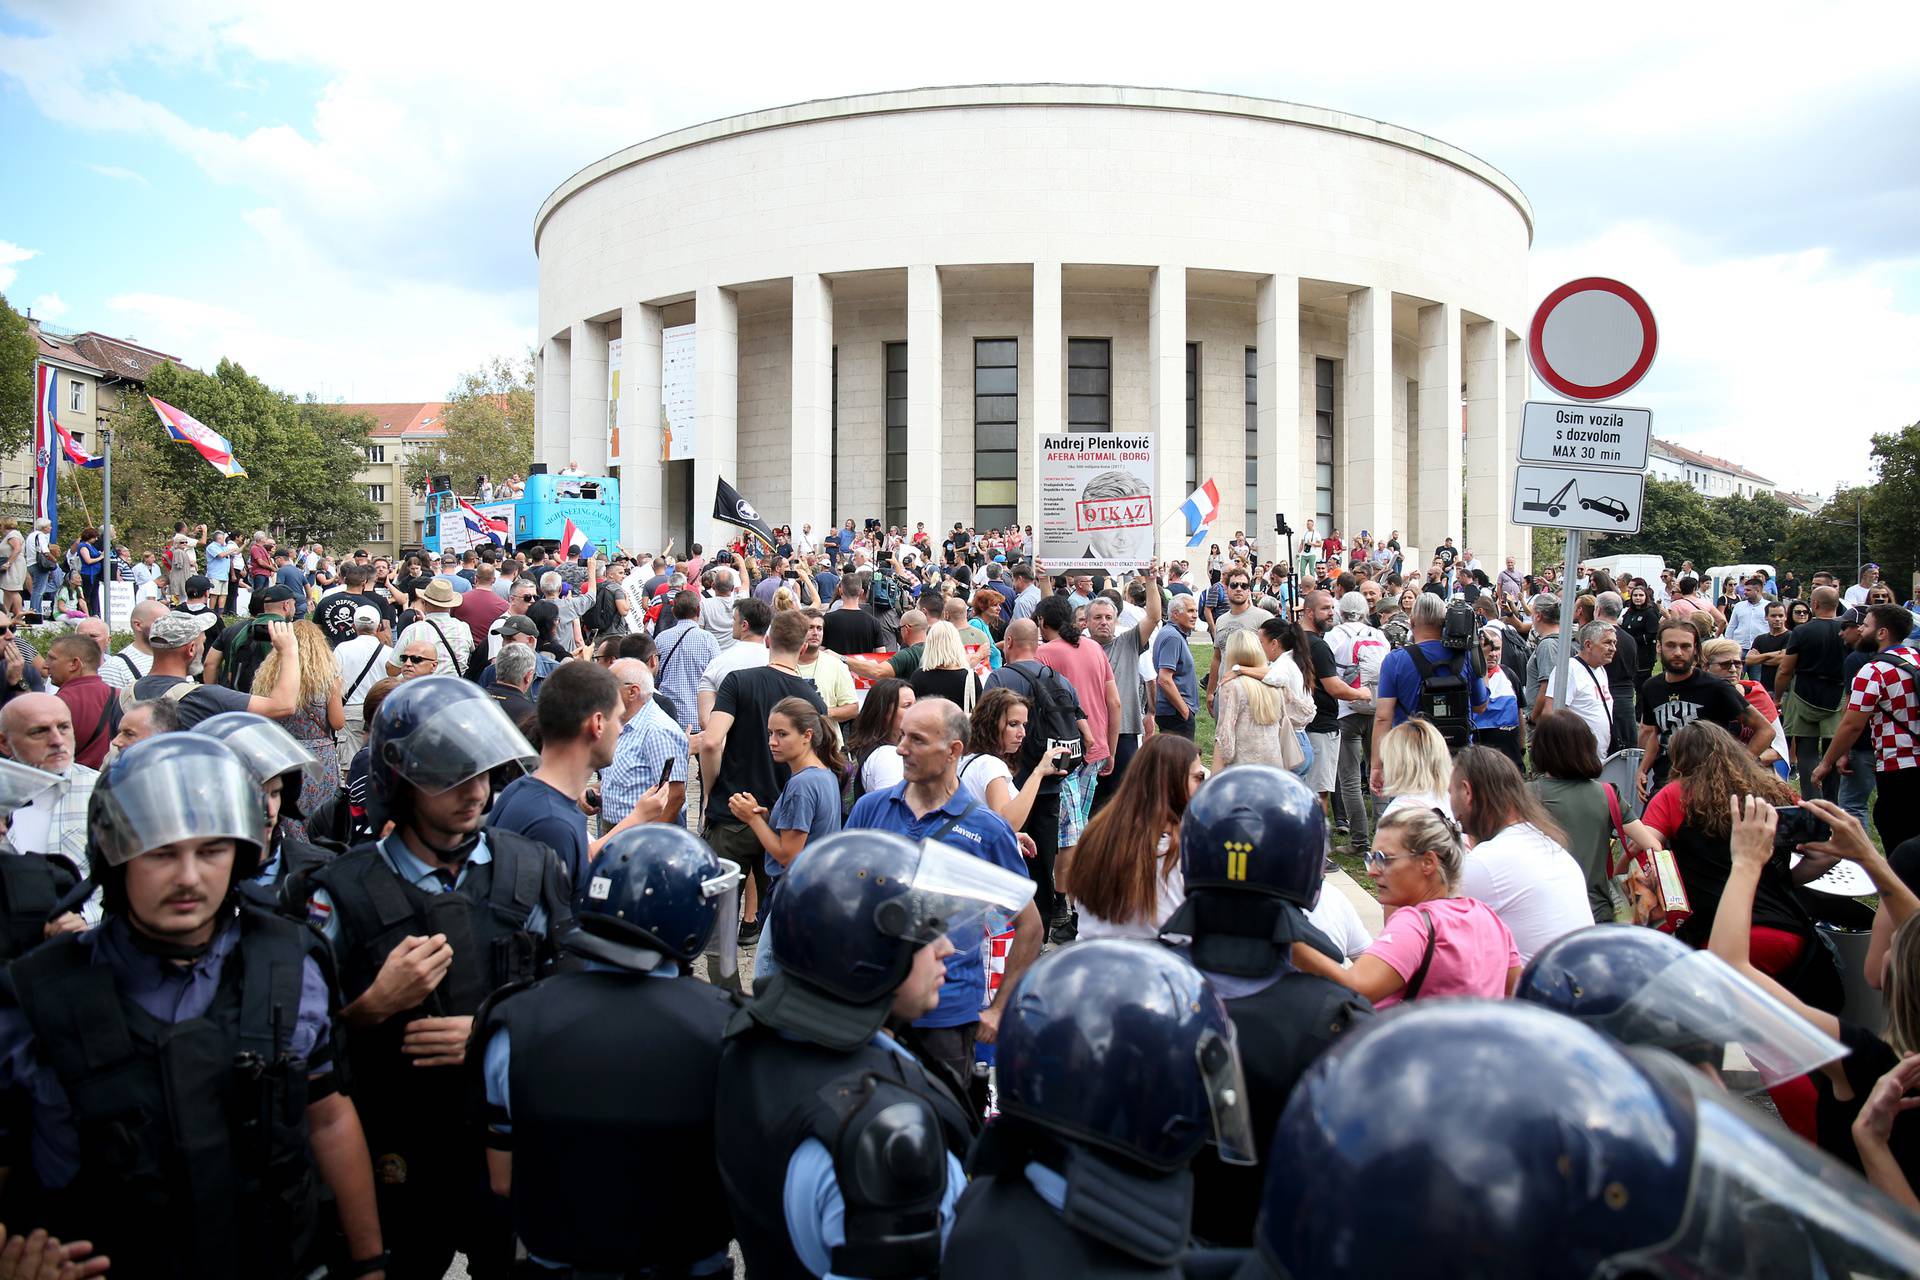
(1200, 510)
(482, 525)
(213, 446)
(575, 544)
(46, 464)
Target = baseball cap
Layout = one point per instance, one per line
(176, 630)
(366, 613)
(278, 594)
(515, 624)
(198, 585)
(1852, 617)
(1353, 605)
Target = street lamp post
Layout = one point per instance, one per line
(106, 493)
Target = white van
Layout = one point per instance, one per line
(1624, 568)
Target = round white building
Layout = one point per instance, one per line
(893, 296)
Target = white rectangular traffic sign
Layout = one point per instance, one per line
(1578, 498)
(1585, 435)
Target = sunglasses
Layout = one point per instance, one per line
(411, 658)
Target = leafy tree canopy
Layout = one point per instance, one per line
(489, 424)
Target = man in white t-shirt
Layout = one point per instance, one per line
(135, 659)
(363, 664)
(1857, 593)
(1590, 698)
(1531, 882)
(1358, 650)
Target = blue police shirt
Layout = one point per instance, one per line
(173, 993)
(815, 1211)
(979, 831)
(322, 916)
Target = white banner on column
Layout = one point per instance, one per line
(615, 420)
(1096, 500)
(677, 396)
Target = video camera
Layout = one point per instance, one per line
(1456, 633)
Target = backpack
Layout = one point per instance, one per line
(1056, 713)
(245, 652)
(602, 614)
(1445, 695)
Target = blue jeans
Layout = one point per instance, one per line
(44, 584)
(1306, 751)
(1856, 788)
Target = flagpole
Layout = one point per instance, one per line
(106, 498)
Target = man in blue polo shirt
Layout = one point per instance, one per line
(930, 805)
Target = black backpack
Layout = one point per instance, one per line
(1056, 713)
(245, 652)
(603, 613)
(1445, 695)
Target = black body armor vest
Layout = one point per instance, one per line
(31, 886)
(612, 1085)
(194, 1158)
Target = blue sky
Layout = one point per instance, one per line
(342, 199)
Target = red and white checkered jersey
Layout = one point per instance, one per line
(1888, 695)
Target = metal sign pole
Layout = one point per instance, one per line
(106, 499)
(1563, 665)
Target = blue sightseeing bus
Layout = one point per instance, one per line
(538, 517)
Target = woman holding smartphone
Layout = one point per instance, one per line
(808, 808)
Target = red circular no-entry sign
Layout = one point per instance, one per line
(1592, 339)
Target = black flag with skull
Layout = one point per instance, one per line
(729, 506)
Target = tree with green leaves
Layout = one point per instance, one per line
(17, 353)
(1676, 523)
(1824, 540)
(1893, 507)
(1758, 527)
(489, 424)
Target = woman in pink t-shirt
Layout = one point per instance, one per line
(1434, 944)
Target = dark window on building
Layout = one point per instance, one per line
(1323, 382)
(1090, 382)
(996, 432)
(1253, 443)
(1193, 416)
(897, 433)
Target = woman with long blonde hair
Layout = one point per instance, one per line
(944, 672)
(320, 716)
(1249, 722)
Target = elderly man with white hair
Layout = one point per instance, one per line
(716, 610)
(652, 749)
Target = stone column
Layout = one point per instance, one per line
(1167, 400)
(716, 389)
(1277, 413)
(589, 424)
(642, 473)
(556, 407)
(1369, 413)
(925, 333)
(1440, 445)
(811, 441)
(1489, 466)
(1519, 537)
(1049, 389)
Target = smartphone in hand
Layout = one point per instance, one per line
(1798, 826)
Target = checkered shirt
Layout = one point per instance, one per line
(1888, 696)
(646, 741)
(67, 833)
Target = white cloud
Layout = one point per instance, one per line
(1783, 363)
(11, 256)
(48, 306)
(118, 174)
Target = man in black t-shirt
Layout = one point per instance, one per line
(1814, 669)
(1682, 694)
(851, 628)
(1328, 690)
(334, 613)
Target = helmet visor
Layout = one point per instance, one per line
(1764, 1203)
(1226, 1086)
(1701, 1003)
(953, 894)
(460, 741)
(726, 921)
(166, 800)
(270, 750)
(20, 784)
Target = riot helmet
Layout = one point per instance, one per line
(268, 751)
(178, 786)
(1646, 989)
(853, 913)
(22, 784)
(1124, 1046)
(1253, 853)
(1585, 1160)
(432, 734)
(655, 890)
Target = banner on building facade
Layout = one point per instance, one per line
(1096, 500)
(614, 421)
(677, 395)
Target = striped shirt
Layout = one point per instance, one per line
(651, 746)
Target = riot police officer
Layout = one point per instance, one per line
(1116, 1065)
(826, 1113)
(178, 1059)
(426, 924)
(278, 763)
(593, 1076)
(1253, 848)
(1645, 988)
(1469, 1138)
(34, 887)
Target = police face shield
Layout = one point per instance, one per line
(21, 784)
(724, 891)
(268, 750)
(158, 802)
(953, 894)
(460, 741)
(1763, 1203)
(1699, 1007)
(1219, 1059)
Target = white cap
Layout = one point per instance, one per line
(366, 614)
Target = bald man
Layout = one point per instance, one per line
(135, 660)
(38, 731)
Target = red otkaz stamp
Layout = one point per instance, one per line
(1094, 514)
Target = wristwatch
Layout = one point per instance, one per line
(367, 1266)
